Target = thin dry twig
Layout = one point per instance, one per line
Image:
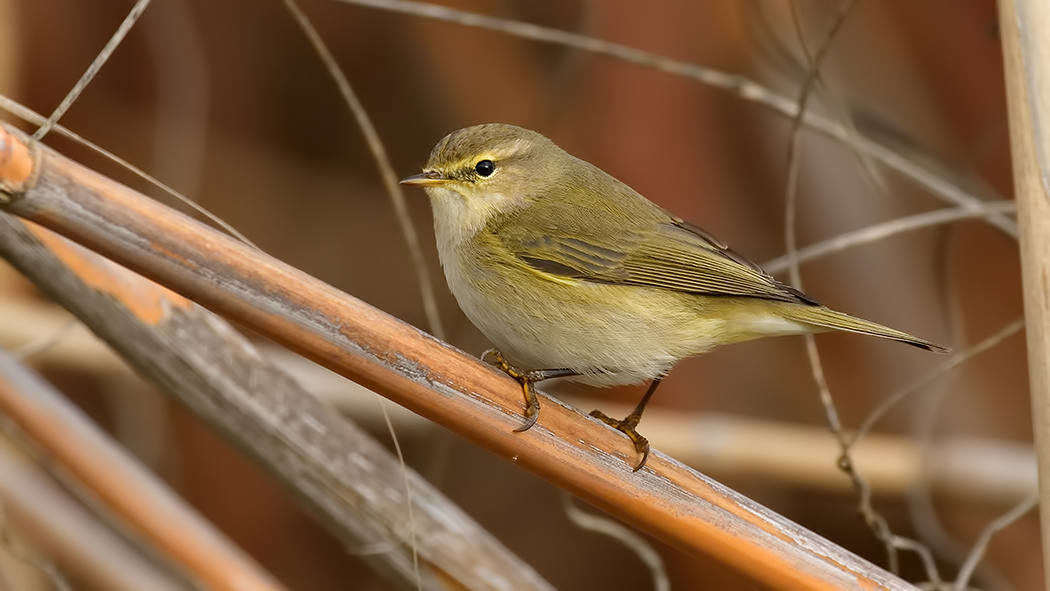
(878, 232)
(791, 208)
(869, 172)
(878, 525)
(934, 464)
(580, 454)
(46, 125)
(736, 85)
(622, 534)
(888, 402)
(409, 501)
(96, 65)
(408, 228)
(386, 169)
(954, 361)
(981, 546)
(26, 114)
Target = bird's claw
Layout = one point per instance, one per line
(627, 426)
(532, 402)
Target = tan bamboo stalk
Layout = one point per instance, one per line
(1025, 26)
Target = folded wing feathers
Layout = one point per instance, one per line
(676, 258)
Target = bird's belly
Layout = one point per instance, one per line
(612, 334)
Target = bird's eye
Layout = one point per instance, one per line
(485, 167)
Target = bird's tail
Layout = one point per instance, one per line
(832, 320)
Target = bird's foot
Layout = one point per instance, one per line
(526, 379)
(627, 426)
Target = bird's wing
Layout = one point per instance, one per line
(670, 254)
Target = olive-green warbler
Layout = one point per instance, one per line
(573, 274)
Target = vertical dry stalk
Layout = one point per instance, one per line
(1026, 52)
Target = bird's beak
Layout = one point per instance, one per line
(424, 179)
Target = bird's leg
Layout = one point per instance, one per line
(526, 379)
(628, 424)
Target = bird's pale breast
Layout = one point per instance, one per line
(615, 334)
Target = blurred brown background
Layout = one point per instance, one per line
(226, 102)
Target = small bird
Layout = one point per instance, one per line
(572, 274)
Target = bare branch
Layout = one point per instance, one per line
(621, 533)
(27, 114)
(956, 360)
(386, 169)
(885, 230)
(875, 521)
(1005, 520)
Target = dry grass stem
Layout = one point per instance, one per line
(1007, 519)
(386, 169)
(622, 534)
(35, 118)
(877, 232)
(957, 359)
(96, 65)
(878, 525)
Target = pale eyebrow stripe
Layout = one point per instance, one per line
(510, 149)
